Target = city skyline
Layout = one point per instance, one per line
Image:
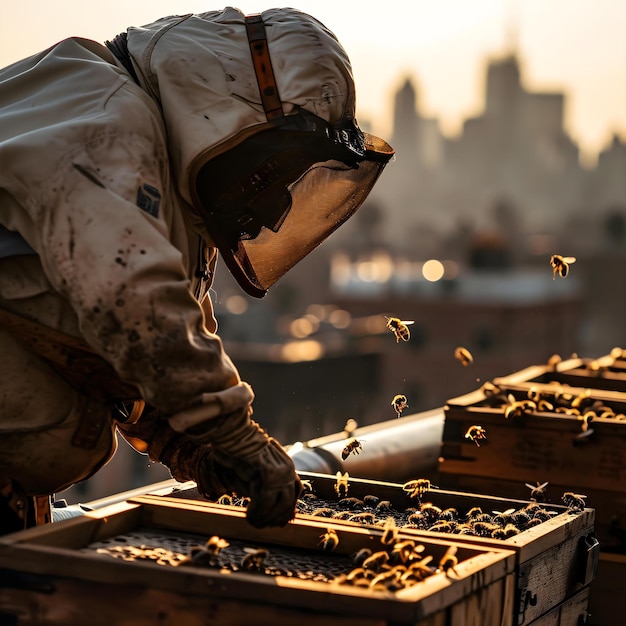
(574, 47)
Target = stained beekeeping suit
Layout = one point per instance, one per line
(124, 168)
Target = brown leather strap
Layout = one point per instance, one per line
(266, 80)
(72, 358)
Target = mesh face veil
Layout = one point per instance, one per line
(277, 194)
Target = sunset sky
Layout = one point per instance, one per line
(575, 46)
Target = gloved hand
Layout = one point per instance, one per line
(243, 459)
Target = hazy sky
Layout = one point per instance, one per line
(576, 46)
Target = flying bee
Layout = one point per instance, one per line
(390, 532)
(352, 447)
(342, 484)
(538, 491)
(474, 433)
(329, 540)
(560, 265)
(449, 560)
(417, 488)
(254, 559)
(400, 328)
(574, 501)
(399, 403)
(464, 356)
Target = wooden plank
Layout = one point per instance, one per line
(572, 612)
(76, 603)
(484, 608)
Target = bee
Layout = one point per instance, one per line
(417, 487)
(387, 578)
(474, 433)
(350, 503)
(225, 499)
(361, 555)
(215, 545)
(521, 519)
(307, 486)
(537, 492)
(342, 484)
(490, 389)
(384, 505)
(350, 427)
(353, 447)
(517, 408)
(418, 570)
(574, 501)
(376, 560)
(443, 527)
(510, 530)
(254, 559)
(560, 265)
(390, 532)
(586, 419)
(343, 515)
(431, 512)
(502, 518)
(473, 513)
(362, 518)
(449, 560)
(329, 540)
(324, 511)
(484, 529)
(449, 515)
(464, 356)
(554, 360)
(400, 328)
(371, 500)
(406, 550)
(417, 520)
(399, 403)
(356, 573)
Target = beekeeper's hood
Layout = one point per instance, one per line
(260, 116)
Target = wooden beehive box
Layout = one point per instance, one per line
(555, 562)
(554, 447)
(607, 372)
(71, 573)
(540, 446)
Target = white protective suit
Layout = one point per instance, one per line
(100, 240)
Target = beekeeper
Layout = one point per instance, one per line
(124, 169)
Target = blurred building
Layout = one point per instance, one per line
(515, 152)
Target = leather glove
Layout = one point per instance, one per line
(243, 458)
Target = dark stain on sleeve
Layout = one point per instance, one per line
(88, 175)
